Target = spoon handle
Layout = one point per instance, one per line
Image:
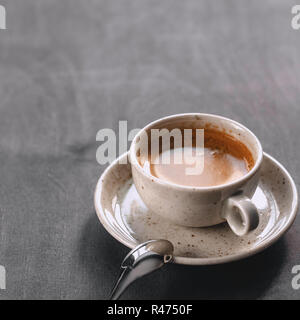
(121, 284)
(143, 265)
(140, 261)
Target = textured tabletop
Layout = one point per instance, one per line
(70, 68)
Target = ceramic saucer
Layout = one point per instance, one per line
(124, 215)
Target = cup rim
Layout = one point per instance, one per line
(134, 161)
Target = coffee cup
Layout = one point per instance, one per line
(208, 205)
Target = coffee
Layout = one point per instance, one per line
(225, 159)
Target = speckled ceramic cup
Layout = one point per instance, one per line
(200, 206)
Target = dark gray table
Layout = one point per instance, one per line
(69, 68)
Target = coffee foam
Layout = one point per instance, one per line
(225, 159)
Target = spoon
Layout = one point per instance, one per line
(140, 261)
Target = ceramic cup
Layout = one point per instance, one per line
(200, 206)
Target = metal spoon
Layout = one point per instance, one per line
(142, 260)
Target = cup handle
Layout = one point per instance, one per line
(241, 214)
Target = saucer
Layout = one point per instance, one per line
(124, 215)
